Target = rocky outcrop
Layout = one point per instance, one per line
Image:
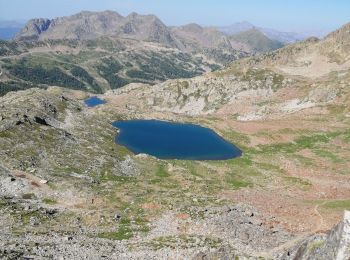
(34, 28)
(84, 25)
(335, 245)
(92, 25)
(56, 122)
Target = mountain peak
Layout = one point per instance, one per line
(192, 27)
(133, 15)
(256, 40)
(92, 25)
(88, 14)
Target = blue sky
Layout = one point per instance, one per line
(287, 15)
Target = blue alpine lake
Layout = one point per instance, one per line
(166, 140)
(94, 101)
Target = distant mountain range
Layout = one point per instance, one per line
(106, 20)
(192, 37)
(284, 37)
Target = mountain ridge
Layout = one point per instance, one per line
(91, 25)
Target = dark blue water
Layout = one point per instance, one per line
(94, 101)
(167, 140)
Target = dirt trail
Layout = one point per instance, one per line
(320, 225)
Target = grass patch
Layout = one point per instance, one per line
(315, 245)
(183, 241)
(162, 172)
(327, 154)
(123, 233)
(241, 140)
(26, 216)
(304, 184)
(337, 204)
(303, 142)
(50, 201)
(236, 182)
(270, 167)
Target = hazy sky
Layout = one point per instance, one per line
(291, 15)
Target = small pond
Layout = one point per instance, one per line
(166, 140)
(94, 101)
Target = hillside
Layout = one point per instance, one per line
(95, 65)
(312, 58)
(312, 72)
(101, 64)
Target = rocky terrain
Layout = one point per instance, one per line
(68, 191)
